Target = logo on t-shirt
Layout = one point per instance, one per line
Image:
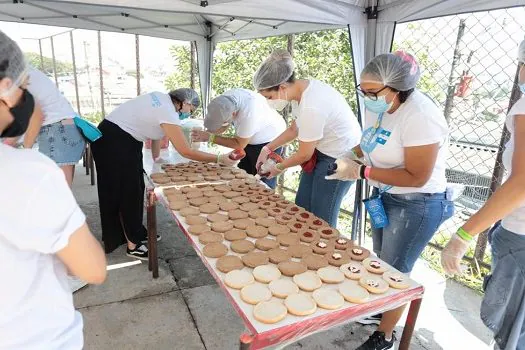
(155, 102)
(372, 137)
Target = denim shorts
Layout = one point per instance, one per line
(320, 196)
(62, 142)
(413, 219)
(503, 306)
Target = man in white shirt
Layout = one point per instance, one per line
(43, 233)
(255, 123)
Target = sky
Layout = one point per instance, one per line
(117, 46)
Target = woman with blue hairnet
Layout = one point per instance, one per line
(503, 305)
(255, 122)
(43, 232)
(324, 125)
(403, 155)
(118, 158)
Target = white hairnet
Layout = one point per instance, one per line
(397, 70)
(186, 95)
(220, 111)
(521, 52)
(12, 63)
(275, 70)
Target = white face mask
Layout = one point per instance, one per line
(278, 105)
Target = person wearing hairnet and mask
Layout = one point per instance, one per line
(255, 122)
(503, 305)
(403, 155)
(118, 158)
(324, 125)
(43, 232)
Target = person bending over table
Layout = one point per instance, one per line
(255, 122)
(404, 149)
(325, 127)
(503, 305)
(118, 159)
(43, 232)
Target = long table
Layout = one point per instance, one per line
(259, 335)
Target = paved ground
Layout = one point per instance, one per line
(184, 308)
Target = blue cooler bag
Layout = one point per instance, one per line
(87, 129)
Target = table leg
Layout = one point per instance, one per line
(245, 341)
(410, 324)
(153, 263)
(87, 154)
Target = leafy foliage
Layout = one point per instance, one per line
(63, 68)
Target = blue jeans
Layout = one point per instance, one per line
(503, 306)
(413, 219)
(320, 196)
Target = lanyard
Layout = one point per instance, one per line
(372, 139)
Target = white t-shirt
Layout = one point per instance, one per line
(323, 115)
(55, 106)
(142, 116)
(37, 216)
(255, 120)
(417, 122)
(515, 221)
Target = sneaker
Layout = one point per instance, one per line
(374, 319)
(377, 341)
(75, 283)
(145, 241)
(140, 252)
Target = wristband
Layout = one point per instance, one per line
(367, 172)
(212, 138)
(362, 170)
(464, 235)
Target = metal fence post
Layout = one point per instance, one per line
(41, 56)
(137, 62)
(75, 70)
(54, 61)
(101, 75)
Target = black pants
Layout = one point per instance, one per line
(120, 181)
(249, 163)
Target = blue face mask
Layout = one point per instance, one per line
(184, 115)
(377, 106)
(522, 88)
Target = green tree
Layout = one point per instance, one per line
(63, 68)
(181, 76)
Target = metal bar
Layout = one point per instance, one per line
(242, 27)
(75, 71)
(449, 102)
(358, 227)
(91, 165)
(88, 155)
(173, 27)
(54, 61)
(410, 324)
(221, 27)
(101, 75)
(153, 263)
(192, 64)
(137, 61)
(41, 56)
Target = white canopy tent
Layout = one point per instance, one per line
(207, 22)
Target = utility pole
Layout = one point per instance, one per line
(90, 86)
(192, 65)
(449, 102)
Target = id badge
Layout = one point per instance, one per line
(376, 210)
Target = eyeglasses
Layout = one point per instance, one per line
(371, 95)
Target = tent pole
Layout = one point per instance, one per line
(74, 70)
(54, 61)
(358, 220)
(137, 62)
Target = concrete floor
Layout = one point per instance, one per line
(185, 309)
